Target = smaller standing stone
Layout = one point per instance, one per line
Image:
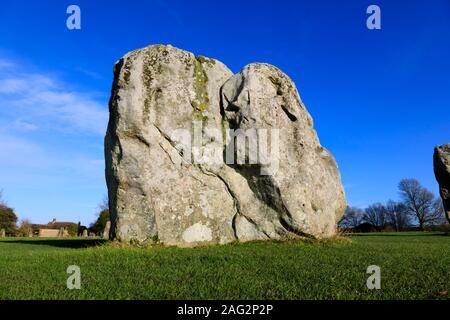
(106, 231)
(30, 232)
(85, 233)
(2, 233)
(442, 172)
(61, 232)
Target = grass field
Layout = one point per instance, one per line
(413, 266)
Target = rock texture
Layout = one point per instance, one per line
(304, 194)
(442, 173)
(173, 119)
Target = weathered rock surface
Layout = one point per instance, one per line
(168, 142)
(442, 173)
(305, 193)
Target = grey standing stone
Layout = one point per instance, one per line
(61, 232)
(106, 231)
(442, 172)
(304, 195)
(2, 233)
(157, 192)
(85, 233)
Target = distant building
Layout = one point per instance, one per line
(53, 229)
(51, 233)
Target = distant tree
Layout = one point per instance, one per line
(24, 228)
(420, 203)
(103, 216)
(104, 205)
(376, 216)
(72, 229)
(8, 218)
(3, 203)
(397, 215)
(351, 218)
(439, 207)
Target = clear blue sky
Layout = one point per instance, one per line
(380, 99)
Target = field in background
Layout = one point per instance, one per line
(413, 266)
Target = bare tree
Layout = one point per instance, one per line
(438, 206)
(375, 215)
(103, 217)
(351, 218)
(420, 203)
(397, 215)
(104, 205)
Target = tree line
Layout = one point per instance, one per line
(417, 207)
(8, 218)
(13, 227)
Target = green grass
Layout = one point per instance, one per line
(413, 266)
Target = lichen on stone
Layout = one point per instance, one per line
(203, 59)
(224, 127)
(147, 78)
(201, 99)
(127, 70)
(153, 179)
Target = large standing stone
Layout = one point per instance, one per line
(180, 191)
(442, 173)
(304, 192)
(2, 233)
(85, 233)
(153, 195)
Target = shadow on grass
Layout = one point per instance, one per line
(400, 234)
(62, 243)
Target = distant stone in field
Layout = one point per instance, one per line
(442, 173)
(85, 233)
(106, 231)
(61, 232)
(2, 233)
(195, 154)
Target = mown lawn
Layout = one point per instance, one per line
(413, 266)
